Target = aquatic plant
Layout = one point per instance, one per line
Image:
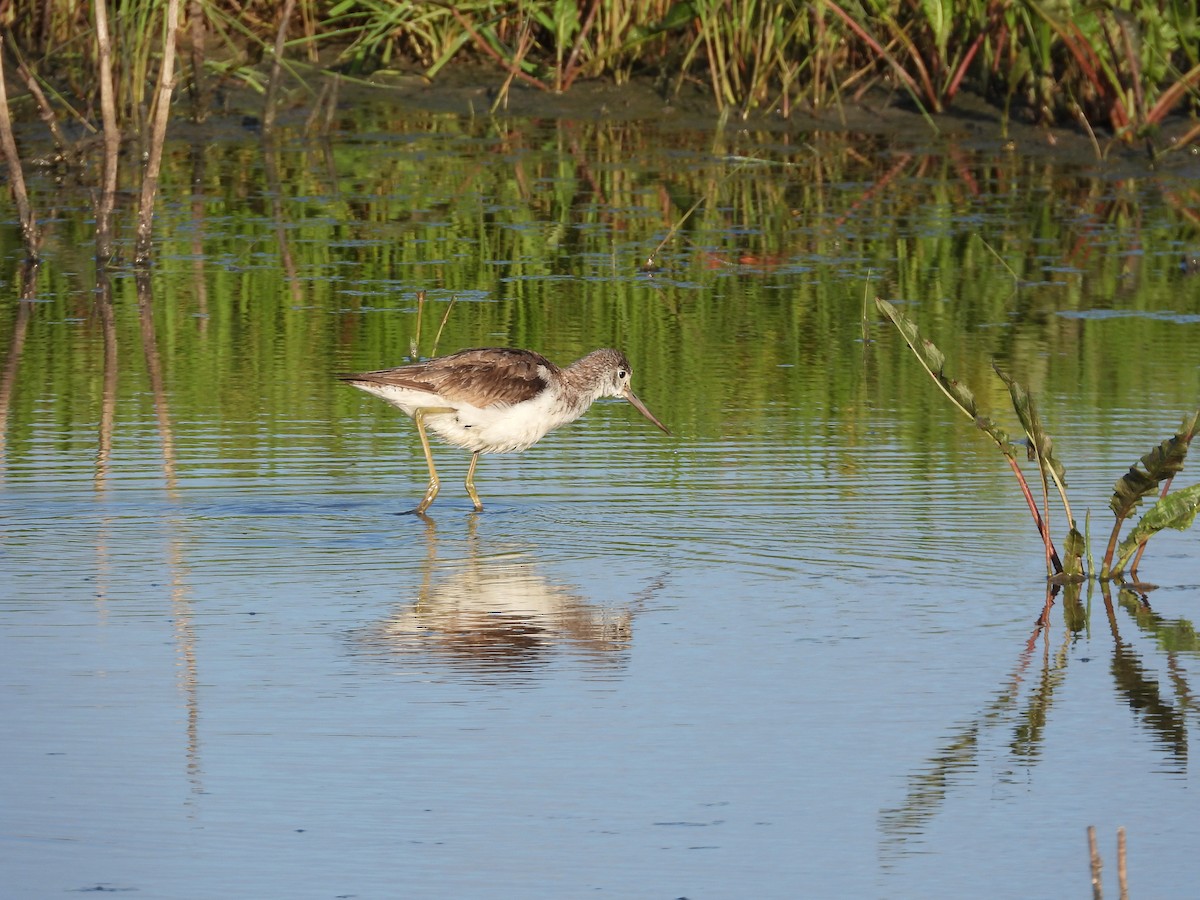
(1178, 510)
(1158, 467)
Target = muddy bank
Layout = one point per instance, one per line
(972, 122)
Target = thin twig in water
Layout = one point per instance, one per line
(866, 324)
(414, 346)
(276, 65)
(650, 264)
(29, 228)
(1087, 126)
(158, 133)
(999, 258)
(437, 338)
(112, 135)
(1097, 864)
(671, 232)
(1122, 880)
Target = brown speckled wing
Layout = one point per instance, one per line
(481, 377)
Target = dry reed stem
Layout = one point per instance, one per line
(45, 110)
(277, 65)
(158, 134)
(1122, 874)
(112, 135)
(29, 229)
(199, 37)
(414, 345)
(1097, 864)
(513, 69)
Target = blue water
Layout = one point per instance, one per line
(790, 651)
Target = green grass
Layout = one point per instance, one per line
(1116, 69)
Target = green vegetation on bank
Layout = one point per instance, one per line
(1112, 68)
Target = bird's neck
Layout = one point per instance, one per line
(582, 379)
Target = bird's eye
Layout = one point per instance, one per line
(622, 374)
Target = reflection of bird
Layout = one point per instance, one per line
(496, 615)
(497, 400)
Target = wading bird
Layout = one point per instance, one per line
(497, 400)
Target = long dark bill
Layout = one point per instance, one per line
(641, 407)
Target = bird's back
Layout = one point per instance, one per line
(480, 378)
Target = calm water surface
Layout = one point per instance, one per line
(789, 651)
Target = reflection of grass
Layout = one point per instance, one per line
(757, 277)
(543, 251)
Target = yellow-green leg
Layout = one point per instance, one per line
(471, 483)
(434, 484)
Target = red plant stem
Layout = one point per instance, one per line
(570, 72)
(1051, 553)
(874, 45)
(961, 71)
(1106, 563)
(510, 68)
(1170, 97)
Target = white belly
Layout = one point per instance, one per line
(498, 428)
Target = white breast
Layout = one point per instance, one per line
(502, 428)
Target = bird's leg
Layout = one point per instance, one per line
(434, 484)
(471, 482)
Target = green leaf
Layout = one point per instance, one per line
(1073, 549)
(934, 362)
(678, 16)
(1177, 510)
(1027, 412)
(1039, 440)
(1087, 541)
(1161, 463)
